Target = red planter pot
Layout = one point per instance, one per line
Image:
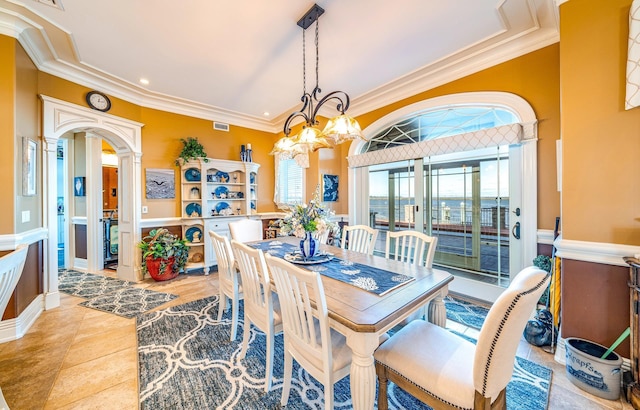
(153, 266)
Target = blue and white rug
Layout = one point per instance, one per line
(465, 312)
(109, 294)
(186, 361)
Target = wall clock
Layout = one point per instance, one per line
(98, 101)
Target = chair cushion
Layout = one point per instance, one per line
(434, 359)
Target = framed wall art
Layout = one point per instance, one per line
(79, 186)
(160, 183)
(329, 188)
(29, 164)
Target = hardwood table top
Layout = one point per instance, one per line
(363, 311)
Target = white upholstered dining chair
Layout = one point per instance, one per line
(246, 230)
(229, 280)
(261, 305)
(446, 371)
(359, 238)
(320, 350)
(412, 247)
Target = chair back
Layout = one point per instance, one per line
(412, 247)
(360, 238)
(11, 266)
(322, 237)
(502, 331)
(256, 284)
(305, 317)
(226, 260)
(246, 230)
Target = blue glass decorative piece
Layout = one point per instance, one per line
(192, 175)
(221, 192)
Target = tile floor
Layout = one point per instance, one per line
(79, 358)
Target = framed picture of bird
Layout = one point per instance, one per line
(161, 183)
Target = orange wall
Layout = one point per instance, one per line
(161, 145)
(8, 153)
(601, 141)
(27, 114)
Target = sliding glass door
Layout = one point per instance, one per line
(462, 199)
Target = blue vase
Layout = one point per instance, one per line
(309, 246)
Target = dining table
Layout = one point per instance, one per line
(363, 316)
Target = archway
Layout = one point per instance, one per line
(125, 136)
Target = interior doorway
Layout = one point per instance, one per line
(124, 136)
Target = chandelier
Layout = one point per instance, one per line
(338, 129)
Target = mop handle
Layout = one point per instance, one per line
(615, 344)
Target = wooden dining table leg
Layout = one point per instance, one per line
(437, 312)
(363, 371)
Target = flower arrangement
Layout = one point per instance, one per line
(311, 218)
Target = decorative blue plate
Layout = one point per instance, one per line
(194, 232)
(193, 208)
(252, 178)
(221, 205)
(253, 193)
(222, 176)
(220, 191)
(253, 205)
(192, 175)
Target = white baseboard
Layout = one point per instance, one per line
(13, 329)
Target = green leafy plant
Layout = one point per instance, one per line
(191, 149)
(162, 244)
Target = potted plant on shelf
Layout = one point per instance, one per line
(192, 149)
(164, 254)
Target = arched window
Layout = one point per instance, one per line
(440, 123)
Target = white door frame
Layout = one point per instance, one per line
(125, 136)
(525, 154)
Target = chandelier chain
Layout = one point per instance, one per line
(304, 64)
(317, 54)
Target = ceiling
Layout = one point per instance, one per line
(232, 61)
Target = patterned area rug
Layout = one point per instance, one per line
(88, 285)
(186, 361)
(465, 312)
(109, 294)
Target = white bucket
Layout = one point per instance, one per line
(585, 368)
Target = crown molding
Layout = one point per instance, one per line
(53, 51)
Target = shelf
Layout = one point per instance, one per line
(194, 244)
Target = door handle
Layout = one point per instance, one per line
(516, 230)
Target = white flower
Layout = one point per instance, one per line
(365, 283)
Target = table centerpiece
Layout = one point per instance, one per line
(308, 222)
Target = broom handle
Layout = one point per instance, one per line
(619, 340)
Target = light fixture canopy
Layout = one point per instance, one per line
(339, 129)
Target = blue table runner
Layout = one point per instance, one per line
(374, 280)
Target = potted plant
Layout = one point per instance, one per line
(192, 149)
(164, 254)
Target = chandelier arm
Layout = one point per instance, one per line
(287, 123)
(343, 104)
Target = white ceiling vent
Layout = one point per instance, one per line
(220, 126)
(53, 3)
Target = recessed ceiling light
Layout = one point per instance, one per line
(266, 113)
(144, 81)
